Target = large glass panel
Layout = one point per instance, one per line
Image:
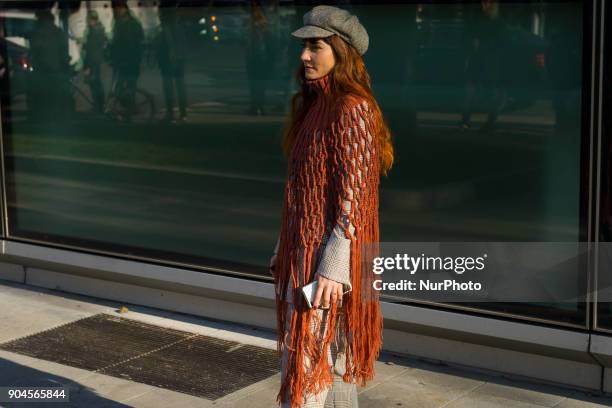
(488, 125)
(156, 132)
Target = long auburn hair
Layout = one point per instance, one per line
(349, 75)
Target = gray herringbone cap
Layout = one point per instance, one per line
(324, 21)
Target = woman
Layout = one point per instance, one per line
(337, 145)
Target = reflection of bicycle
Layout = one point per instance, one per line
(124, 103)
(119, 104)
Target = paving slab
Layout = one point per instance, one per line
(165, 398)
(581, 400)
(259, 395)
(541, 395)
(488, 401)
(418, 389)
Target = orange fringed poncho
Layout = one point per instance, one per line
(334, 160)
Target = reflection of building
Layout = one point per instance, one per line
(146, 12)
(185, 218)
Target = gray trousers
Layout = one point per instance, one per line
(341, 394)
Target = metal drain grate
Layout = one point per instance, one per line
(194, 364)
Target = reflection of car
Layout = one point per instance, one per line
(229, 20)
(227, 24)
(17, 24)
(13, 72)
(445, 50)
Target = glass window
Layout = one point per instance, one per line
(488, 127)
(155, 131)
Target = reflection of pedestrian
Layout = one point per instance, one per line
(473, 67)
(256, 61)
(48, 93)
(485, 70)
(4, 81)
(170, 47)
(126, 50)
(606, 201)
(564, 68)
(95, 43)
(274, 45)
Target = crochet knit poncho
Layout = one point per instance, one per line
(330, 203)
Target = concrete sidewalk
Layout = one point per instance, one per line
(400, 382)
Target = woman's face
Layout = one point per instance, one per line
(317, 57)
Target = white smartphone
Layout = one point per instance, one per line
(309, 291)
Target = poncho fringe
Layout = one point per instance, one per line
(333, 160)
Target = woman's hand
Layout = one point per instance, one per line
(328, 292)
(272, 266)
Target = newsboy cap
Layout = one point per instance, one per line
(325, 21)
